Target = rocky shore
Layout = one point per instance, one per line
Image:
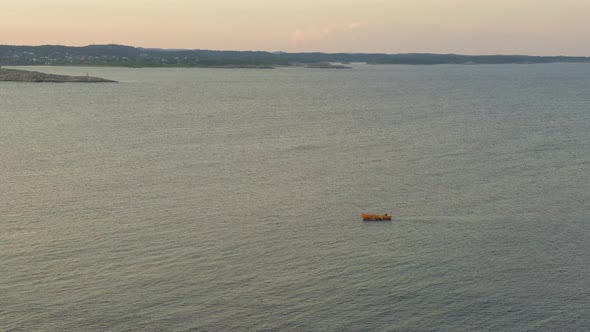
(17, 75)
(327, 66)
(319, 65)
(231, 66)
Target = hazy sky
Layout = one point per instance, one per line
(537, 27)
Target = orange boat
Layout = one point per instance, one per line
(376, 217)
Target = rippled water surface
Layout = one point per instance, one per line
(205, 200)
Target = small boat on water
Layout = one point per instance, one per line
(376, 217)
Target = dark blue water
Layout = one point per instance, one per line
(224, 200)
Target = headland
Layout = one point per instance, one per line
(17, 75)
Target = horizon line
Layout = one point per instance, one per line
(284, 52)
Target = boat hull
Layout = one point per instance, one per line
(376, 217)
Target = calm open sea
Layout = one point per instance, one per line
(231, 200)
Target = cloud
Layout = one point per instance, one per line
(322, 33)
(301, 35)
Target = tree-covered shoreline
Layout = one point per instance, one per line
(127, 56)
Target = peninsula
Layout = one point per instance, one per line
(17, 75)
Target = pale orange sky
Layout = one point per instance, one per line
(536, 27)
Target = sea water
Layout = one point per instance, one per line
(231, 200)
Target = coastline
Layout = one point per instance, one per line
(19, 75)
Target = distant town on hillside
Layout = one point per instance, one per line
(128, 56)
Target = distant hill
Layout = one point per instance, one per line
(434, 59)
(128, 56)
